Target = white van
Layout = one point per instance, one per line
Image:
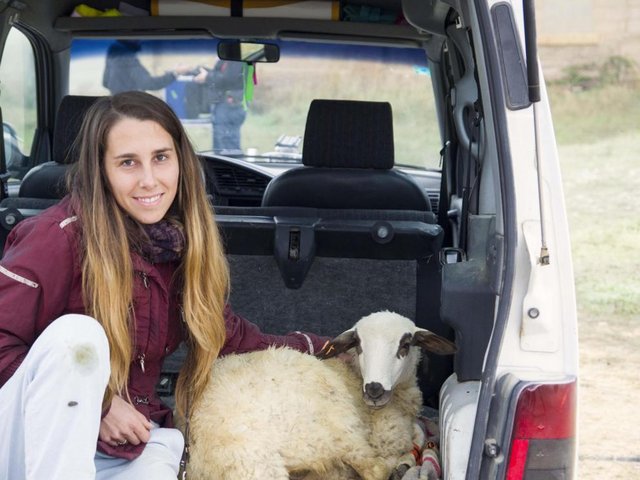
(391, 155)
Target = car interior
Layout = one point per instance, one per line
(319, 238)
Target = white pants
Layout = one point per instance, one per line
(50, 408)
(50, 413)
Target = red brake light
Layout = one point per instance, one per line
(544, 430)
(517, 459)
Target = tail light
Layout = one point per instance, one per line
(544, 433)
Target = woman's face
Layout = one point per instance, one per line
(142, 168)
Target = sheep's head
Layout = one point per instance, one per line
(387, 346)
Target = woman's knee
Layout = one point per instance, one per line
(78, 338)
(76, 327)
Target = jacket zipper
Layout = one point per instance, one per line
(141, 356)
(141, 361)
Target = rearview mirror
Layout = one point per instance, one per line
(250, 52)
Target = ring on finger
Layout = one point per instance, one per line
(122, 442)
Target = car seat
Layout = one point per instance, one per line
(47, 180)
(348, 158)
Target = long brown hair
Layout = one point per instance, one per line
(107, 265)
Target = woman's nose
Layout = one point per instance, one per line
(147, 177)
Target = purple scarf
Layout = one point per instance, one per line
(166, 242)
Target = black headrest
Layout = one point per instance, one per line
(348, 134)
(68, 121)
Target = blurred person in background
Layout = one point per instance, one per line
(123, 70)
(225, 89)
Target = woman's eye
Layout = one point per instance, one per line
(161, 157)
(127, 163)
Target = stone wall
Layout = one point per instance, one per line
(572, 32)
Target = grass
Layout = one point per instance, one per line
(597, 133)
(596, 110)
(595, 101)
(585, 116)
(600, 180)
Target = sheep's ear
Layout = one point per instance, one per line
(431, 342)
(338, 345)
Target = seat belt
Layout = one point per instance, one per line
(446, 161)
(4, 175)
(471, 194)
(448, 155)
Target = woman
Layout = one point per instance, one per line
(96, 291)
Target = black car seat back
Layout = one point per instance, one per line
(348, 159)
(47, 180)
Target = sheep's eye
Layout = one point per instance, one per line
(405, 345)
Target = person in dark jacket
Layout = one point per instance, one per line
(96, 291)
(123, 70)
(225, 85)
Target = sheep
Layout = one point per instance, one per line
(278, 413)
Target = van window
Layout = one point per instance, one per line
(282, 91)
(18, 101)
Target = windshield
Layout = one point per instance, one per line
(261, 117)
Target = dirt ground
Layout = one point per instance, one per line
(600, 180)
(609, 421)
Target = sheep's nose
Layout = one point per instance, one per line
(374, 390)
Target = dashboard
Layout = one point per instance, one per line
(236, 182)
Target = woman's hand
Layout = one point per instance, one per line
(124, 424)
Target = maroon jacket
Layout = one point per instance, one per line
(40, 280)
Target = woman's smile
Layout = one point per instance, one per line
(149, 200)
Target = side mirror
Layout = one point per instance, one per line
(249, 52)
